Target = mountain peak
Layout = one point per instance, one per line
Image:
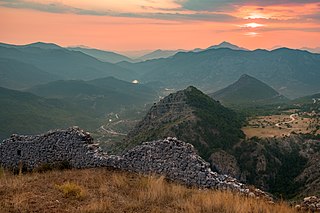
(226, 44)
(246, 76)
(44, 45)
(184, 114)
(246, 90)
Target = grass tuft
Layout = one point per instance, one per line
(72, 190)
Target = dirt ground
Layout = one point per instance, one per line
(280, 125)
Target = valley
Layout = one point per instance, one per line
(114, 130)
(172, 106)
(237, 122)
(282, 124)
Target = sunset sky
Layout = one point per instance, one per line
(167, 24)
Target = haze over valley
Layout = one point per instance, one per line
(136, 105)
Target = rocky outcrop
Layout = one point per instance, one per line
(173, 111)
(192, 116)
(310, 204)
(225, 163)
(287, 167)
(172, 158)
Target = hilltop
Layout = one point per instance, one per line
(248, 91)
(192, 116)
(277, 165)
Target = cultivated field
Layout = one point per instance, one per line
(281, 125)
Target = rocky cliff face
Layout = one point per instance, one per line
(164, 119)
(286, 167)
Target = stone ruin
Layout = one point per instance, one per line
(310, 204)
(174, 159)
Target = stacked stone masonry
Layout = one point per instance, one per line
(310, 204)
(174, 159)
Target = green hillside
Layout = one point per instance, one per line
(99, 96)
(310, 99)
(25, 113)
(191, 116)
(68, 64)
(102, 55)
(19, 75)
(248, 91)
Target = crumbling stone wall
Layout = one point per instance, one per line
(72, 145)
(174, 159)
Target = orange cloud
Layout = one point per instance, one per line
(148, 24)
(277, 12)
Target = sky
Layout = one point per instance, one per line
(123, 25)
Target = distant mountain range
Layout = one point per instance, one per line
(159, 54)
(105, 56)
(224, 44)
(293, 73)
(248, 91)
(64, 64)
(41, 45)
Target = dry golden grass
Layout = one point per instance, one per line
(114, 191)
(265, 126)
(70, 190)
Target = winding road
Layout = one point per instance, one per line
(112, 132)
(292, 117)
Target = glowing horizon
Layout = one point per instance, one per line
(172, 24)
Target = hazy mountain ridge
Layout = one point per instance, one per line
(65, 63)
(102, 55)
(223, 44)
(98, 96)
(18, 75)
(291, 72)
(41, 45)
(157, 54)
